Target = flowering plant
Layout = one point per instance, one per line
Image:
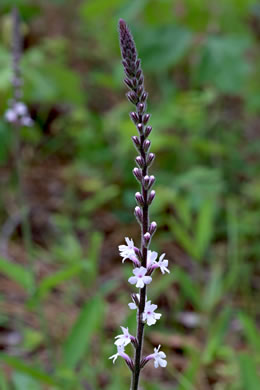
(144, 260)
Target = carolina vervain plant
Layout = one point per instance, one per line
(143, 259)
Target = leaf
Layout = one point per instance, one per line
(251, 332)
(163, 47)
(48, 283)
(248, 372)
(87, 324)
(17, 273)
(204, 226)
(216, 336)
(33, 372)
(24, 382)
(190, 289)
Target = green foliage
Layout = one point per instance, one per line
(201, 61)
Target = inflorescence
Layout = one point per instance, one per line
(144, 260)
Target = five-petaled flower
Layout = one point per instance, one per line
(140, 278)
(123, 339)
(149, 315)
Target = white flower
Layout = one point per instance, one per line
(27, 121)
(20, 109)
(140, 279)
(151, 257)
(120, 351)
(10, 115)
(149, 314)
(159, 358)
(123, 339)
(163, 264)
(127, 251)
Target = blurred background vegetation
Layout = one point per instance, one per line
(63, 290)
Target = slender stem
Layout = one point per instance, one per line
(140, 323)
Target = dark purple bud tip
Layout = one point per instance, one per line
(139, 214)
(152, 228)
(150, 159)
(144, 97)
(140, 161)
(150, 196)
(140, 128)
(140, 108)
(122, 25)
(146, 118)
(137, 172)
(146, 145)
(134, 117)
(139, 199)
(151, 181)
(131, 96)
(146, 239)
(147, 131)
(146, 181)
(136, 142)
(128, 83)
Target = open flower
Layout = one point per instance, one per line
(140, 278)
(120, 352)
(159, 358)
(149, 315)
(162, 264)
(128, 251)
(123, 339)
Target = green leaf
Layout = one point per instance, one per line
(248, 372)
(33, 372)
(251, 331)
(204, 227)
(88, 322)
(17, 273)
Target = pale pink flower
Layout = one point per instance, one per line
(140, 278)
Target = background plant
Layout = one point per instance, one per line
(201, 63)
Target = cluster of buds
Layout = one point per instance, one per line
(18, 114)
(144, 260)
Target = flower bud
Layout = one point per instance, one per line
(137, 64)
(136, 142)
(146, 118)
(140, 161)
(141, 81)
(152, 228)
(146, 145)
(151, 181)
(131, 96)
(134, 82)
(139, 199)
(134, 117)
(138, 74)
(139, 90)
(146, 181)
(151, 196)
(146, 239)
(140, 108)
(137, 172)
(144, 97)
(150, 159)
(147, 131)
(140, 128)
(138, 214)
(128, 83)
